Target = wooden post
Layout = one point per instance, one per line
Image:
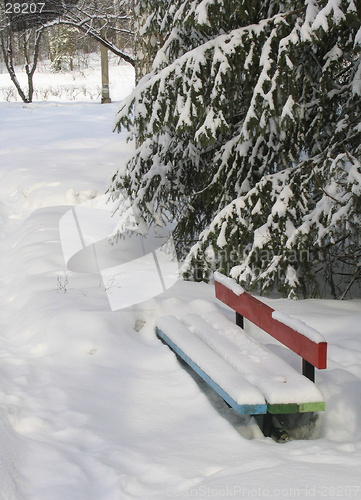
(105, 74)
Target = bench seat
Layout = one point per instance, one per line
(225, 380)
(246, 374)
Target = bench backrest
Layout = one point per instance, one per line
(260, 314)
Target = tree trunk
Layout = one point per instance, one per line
(30, 63)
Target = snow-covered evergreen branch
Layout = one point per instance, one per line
(254, 105)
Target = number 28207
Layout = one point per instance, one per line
(24, 8)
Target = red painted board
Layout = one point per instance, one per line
(261, 315)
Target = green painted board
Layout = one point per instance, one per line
(282, 408)
(294, 408)
(305, 407)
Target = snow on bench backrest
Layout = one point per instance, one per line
(294, 334)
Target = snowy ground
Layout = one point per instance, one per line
(92, 405)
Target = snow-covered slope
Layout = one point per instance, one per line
(92, 405)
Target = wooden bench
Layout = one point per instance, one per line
(246, 374)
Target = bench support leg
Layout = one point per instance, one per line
(266, 426)
(239, 320)
(272, 426)
(308, 370)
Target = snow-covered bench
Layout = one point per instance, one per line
(246, 374)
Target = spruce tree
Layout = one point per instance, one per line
(248, 135)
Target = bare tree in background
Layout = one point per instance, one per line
(29, 41)
(106, 21)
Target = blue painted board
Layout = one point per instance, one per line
(241, 409)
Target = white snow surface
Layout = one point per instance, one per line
(93, 405)
(206, 357)
(277, 380)
(228, 283)
(299, 326)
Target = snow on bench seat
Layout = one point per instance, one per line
(244, 397)
(279, 383)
